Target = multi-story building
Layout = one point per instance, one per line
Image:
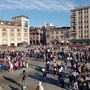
(57, 35)
(35, 35)
(80, 25)
(14, 32)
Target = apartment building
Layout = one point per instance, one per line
(14, 32)
(57, 35)
(35, 35)
(80, 25)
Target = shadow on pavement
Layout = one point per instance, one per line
(13, 88)
(48, 80)
(40, 78)
(13, 81)
(37, 68)
(38, 59)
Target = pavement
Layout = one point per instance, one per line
(13, 80)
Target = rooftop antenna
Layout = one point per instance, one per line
(45, 24)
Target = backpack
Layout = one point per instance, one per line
(24, 77)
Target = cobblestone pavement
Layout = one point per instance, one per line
(13, 80)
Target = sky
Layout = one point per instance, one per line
(40, 12)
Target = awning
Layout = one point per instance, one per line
(62, 41)
(67, 41)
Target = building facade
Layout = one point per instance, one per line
(14, 32)
(57, 35)
(80, 25)
(35, 35)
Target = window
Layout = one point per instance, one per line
(56, 37)
(25, 39)
(52, 37)
(81, 22)
(12, 30)
(25, 23)
(25, 30)
(19, 38)
(85, 36)
(81, 36)
(52, 32)
(12, 39)
(12, 34)
(61, 32)
(81, 27)
(48, 32)
(4, 34)
(4, 29)
(4, 39)
(18, 34)
(85, 17)
(25, 34)
(61, 37)
(84, 26)
(56, 32)
(30, 37)
(18, 30)
(85, 11)
(85, 31)
(37, 37)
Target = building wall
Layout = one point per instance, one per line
(81, 19)
(14, 34)
(57, 35)
(35, 35)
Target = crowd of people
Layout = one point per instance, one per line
(79, 77)
(13, 60)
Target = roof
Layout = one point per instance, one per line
(62, 27)
(34, 28)
(81, 7)
(20, 16)
(59, 28)
(10, 23)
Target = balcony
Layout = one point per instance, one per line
(73, 32)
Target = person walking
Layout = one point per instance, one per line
(71, 78)
(24, 72)
(47, 66)
(39, 86)
(80, 82)
(24, 78)
(11, 66)
(55, 71)
(24, 82)
(27, 64)
(44, 73)
(62, 78)
(75, 78)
